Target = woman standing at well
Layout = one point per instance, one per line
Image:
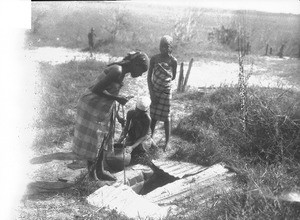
(96, 113)
(161, 72)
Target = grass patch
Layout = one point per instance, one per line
(266, 157)
(251, 205)
(60, 89)
(271, 136)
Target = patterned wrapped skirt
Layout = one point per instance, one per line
(160, 111)
(94, 121)
(161, 79)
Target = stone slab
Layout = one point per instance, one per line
(178, 169)
(213, 178)
(125, 201)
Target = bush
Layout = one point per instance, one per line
(271, 134)
(265, 157)
(205, 151)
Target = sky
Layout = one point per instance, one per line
(274, 6)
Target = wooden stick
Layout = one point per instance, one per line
(187, 74)
(181, 79)
(123, 112)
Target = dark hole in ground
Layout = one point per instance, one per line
(158, 179)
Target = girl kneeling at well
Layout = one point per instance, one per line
(137, 132)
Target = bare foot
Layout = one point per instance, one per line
(153, 143)
(167, 145)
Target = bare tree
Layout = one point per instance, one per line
(117, 23)
(185, 27)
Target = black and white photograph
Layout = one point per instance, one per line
(151, 110)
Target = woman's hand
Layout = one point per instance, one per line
(121, 139)
(128, 149)
(122, 100)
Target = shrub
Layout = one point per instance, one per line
(205, 151)
(264, 156)
(271, 135)
(195, 127)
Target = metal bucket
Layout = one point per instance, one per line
(115, 159)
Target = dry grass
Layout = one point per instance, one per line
(266, 157)
(60, 89)
(271, 134)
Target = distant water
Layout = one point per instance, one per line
(216, 73)
(203, 74)
(58, 55)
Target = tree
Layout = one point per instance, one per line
(185, 27)
(117, 23)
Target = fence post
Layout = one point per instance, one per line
(280, 53)
(187, 74)
(181, 78)
(267, 49)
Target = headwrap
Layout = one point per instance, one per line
(143, 103)
(139, 58)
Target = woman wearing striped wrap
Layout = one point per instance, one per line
(161, 72)
(96, 112)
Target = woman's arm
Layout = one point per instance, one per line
(149, 79)
(174, 67)
(149, 76)
(113, 75)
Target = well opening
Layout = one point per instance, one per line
(144, 179)
(142, 175)
(158, 179)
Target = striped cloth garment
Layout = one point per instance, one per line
(161, 79)
(95, 123)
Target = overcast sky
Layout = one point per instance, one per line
(276, 6)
